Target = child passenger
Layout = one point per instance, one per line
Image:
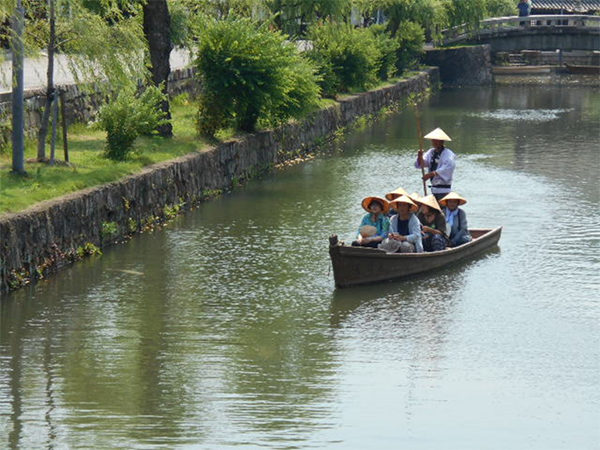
(433, 224)
(375, 225)
(456, 219)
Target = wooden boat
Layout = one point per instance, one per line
(583, 70)
(361, 265)
(520, 70)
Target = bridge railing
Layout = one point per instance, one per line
(496, 25)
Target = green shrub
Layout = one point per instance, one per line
(249, 73)
(501, 8)
(5, 136)
(410, 38)
(348, 57)
(388, 46)
(128, 116)
(108, 229)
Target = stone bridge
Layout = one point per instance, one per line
(542, 32)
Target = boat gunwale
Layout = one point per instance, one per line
(367, 252)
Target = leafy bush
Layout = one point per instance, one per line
(5, 135)
(347, 57)
(127, 117)
(410, 38)
(501, 8)
(388, 47)
(247, 73)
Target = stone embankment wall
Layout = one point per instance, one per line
(462, 66)
(41, 239)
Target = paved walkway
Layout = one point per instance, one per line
(35, 70)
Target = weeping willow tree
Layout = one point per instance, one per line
(103, 46)
(294, 17)
(431, 15)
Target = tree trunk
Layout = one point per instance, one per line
(157, 29)
(18, 122)
(43, 132)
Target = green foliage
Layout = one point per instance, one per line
(430, 14)
(468, 12)
(388, 47)
(501, 8)
(222, 9)
(127, 117)
(249, 73)
(132, 225)
(102, 48)
(88, 249)
(5, 135)
(295, 16)
(181, 23)
(171, 211)
(410, 38)
(347, 57)
(108, 230)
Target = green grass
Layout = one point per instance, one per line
(88, 165)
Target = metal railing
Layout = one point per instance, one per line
(497, 25)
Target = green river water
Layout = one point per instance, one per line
(225, 329)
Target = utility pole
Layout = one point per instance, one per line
(18, 124)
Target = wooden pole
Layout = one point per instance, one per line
(64, 124)
(54, 128)
(420, 135)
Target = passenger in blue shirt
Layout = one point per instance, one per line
(375, 225)
(456, 219)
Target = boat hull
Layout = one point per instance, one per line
(360, 265)
(583, 70)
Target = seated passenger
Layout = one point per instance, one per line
(433, 224)
(390, 196)
(377, 209)
(456, 219)
(405, 228)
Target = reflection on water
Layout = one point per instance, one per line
(224, 329)
(525, 115)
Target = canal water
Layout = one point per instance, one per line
(225, 330)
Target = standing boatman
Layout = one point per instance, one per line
(440, 162)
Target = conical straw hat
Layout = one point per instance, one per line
(395, 194)
(453, 196)
(429, 200)
(404, 199)
(414, 197)
(367, 201)
(438, 134)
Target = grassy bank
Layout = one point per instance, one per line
(88, 165)
(90, 168)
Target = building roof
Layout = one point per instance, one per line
(572, 6)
